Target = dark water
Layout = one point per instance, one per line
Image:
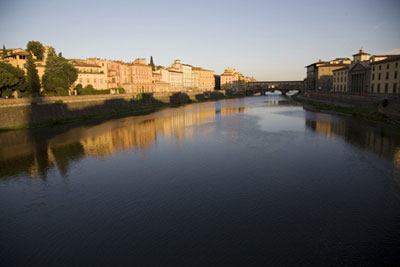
(255, 181)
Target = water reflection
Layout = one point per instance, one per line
(384, 141)
(36, 152)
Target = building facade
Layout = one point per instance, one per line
(175, 78)
(89, 74)
(320, 74)
(340, 79)
(385, 75)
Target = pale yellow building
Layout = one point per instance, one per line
(233, 80)
(340, 79)
(206, 80)
(175, 80)
(385, 75)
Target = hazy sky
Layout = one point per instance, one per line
(270, 40)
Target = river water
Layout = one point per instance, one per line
(251, 181)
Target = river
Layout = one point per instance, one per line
(250, 181)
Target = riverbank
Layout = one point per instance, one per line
(373, 108)
(50, 111)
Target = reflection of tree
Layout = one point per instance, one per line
(63, 155)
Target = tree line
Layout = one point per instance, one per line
(57, 79)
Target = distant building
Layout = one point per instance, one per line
(160, 80)
(320, 74)
(206, 81)
(385, 75)
(89, 74)
(233, 80)
(340, 79)
(368, 74)
(137, 77)
(175, 78)
(18, 57)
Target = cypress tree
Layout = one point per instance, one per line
(33, 80)
(4, 51)
(153, 66)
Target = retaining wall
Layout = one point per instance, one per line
(386, 104)
(25, 111)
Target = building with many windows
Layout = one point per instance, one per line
(206, 81)
(385, 75)
(320, 74)
(89, 74)
(368, 74)
(340, 79)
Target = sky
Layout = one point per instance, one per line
(269, 40)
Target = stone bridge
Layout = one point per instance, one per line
(270, 86)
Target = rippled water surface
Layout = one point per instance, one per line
(254, 181)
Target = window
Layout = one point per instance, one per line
(394, 87)
(396, 65)
(344, 88)
(379, 88)
(372, 87)
(395, 74)
(387, 66)
(380, 67)
(379, 76)
(373, 68)
(386, 87)
(387, 75)
(373, 76)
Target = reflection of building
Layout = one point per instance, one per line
(369, 138)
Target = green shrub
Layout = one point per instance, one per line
(60, 91)
(58, 102)
(87, 90)
(102, 92)
(143, 97)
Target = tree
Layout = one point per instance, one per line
(153, 66)
(58, 74)
(33, 81)
(4, 52)
(36, 48)
(7, 82)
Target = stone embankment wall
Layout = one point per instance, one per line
(31, 111)
(388, 104)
